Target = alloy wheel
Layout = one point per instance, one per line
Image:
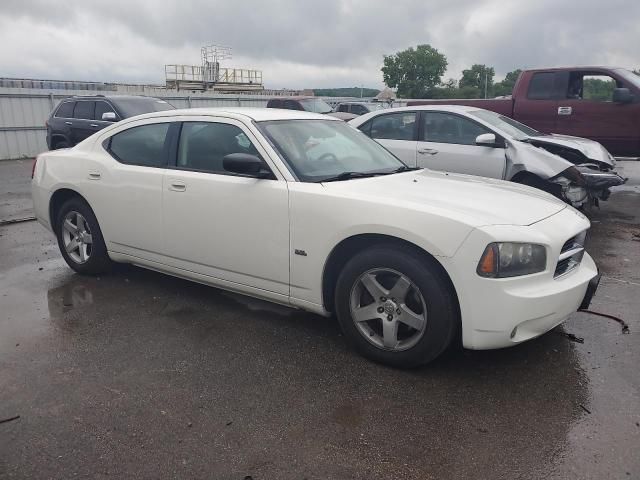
(388, 309)
(76, 237)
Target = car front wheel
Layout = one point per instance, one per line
(80, 238)
(396, 306)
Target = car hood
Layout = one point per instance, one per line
(592, 150)
(479, 200)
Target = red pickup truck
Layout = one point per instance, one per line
(599, 103)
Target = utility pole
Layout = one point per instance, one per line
(486, 82)
(361, 87)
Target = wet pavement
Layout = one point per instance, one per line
(140, 375)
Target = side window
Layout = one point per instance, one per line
(144, 145)
(358, 110)
(594, 87)
(366, 128)
(65, 110)
(292, 105)
(203, 145)
(84, 110)
(440, 127)
(102, 107)
(343, 108)
(275, 103)
(394, 126)
(541, 86)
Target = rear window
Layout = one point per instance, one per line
(142, 145)
(541, 86)
(65, 110)
(130, 107)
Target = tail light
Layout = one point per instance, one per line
(33, 168)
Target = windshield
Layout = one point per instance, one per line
(317, 150)
(375, 106)
(514, 129)
(131, 107)
(316, 105)
(629, 76)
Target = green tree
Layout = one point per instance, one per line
(505, 87)
(477, 76)
(414, 72)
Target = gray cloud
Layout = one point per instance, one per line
(308, 43)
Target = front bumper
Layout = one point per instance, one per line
(497, 313)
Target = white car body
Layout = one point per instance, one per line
(272, 239)
(545, 156)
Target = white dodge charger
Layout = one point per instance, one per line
(306, 211)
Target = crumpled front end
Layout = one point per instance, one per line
(586, 184)
(592, 175)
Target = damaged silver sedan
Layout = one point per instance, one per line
(470, 140)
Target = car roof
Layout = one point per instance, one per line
(110, 97)
(442, 108)
(293, 97)
(241, 113)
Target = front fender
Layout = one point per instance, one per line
(523, 157)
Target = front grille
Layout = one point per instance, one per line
(571, 254)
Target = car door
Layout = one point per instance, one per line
(590, 112)
(221, 225)
(447, 143)
(124, 179)
(397, 132)
(83, 123)
(539, 107)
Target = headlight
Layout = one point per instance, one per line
(502, 259)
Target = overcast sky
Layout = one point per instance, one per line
(308, 43)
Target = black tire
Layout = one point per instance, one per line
(427, 277)
(61, 144)
(98, 260)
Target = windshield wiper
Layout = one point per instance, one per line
(350, 175)
(404, 168)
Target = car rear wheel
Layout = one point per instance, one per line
(396, 306)
(61, 144)
(80, 238)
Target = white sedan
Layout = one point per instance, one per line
(461, 139)
(304, 210)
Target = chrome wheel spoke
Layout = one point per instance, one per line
(400, 289)
(373, 287)
(83, 253)
(72, 245)
(87, 238)
(390, 334)
(368, 312)
(70, 227)
(412, 319)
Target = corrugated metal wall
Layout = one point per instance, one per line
(23, 112)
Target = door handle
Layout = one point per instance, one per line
(427, 151)
(95, 125)
(69, 123)
(177, 186)
(94, 175)
(565, 110)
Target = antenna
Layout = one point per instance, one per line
(212, 55)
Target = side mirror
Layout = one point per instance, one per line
(622, 95)
(244, 164)
(109, 117)
(487, 140)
